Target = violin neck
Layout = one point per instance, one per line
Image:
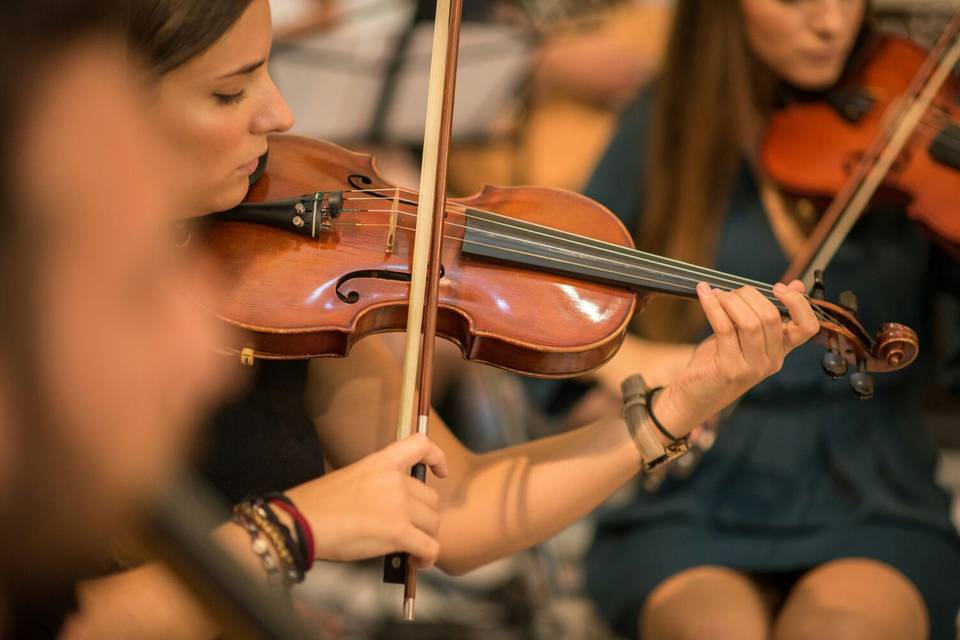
(495, 237)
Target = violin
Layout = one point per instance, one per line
(537, 281)
(887, 134)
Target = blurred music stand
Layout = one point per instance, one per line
(366, 79)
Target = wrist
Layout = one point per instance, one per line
(672, 412)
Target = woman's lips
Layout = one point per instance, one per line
(822, 56)
(249, 167)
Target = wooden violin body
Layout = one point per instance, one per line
(812, 146)
(538, 281)
(295, 297)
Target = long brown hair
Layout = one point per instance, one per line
(710, 90)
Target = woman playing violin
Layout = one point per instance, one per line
(814, 515)
(213, 97)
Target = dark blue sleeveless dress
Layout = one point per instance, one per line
(802, 472)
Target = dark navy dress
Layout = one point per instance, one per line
(263, 440)
(802, 472)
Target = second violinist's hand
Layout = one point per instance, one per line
(749, 344)
(374, 507)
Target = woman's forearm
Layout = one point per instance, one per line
(514, 498)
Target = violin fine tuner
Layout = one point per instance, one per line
(309, 215)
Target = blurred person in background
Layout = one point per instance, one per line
(814, 515)
(213, 99)
(104, 366)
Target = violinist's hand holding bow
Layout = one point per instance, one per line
(374, 507)
(749, 344)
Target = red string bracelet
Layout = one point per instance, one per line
(290, 509)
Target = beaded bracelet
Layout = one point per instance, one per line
(294, 548)
(293, 556)
(262, 548)
(273, 535)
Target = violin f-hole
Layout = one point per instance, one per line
(353, 297)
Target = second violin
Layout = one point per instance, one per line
(887, 134)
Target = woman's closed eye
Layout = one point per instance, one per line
(230, 98)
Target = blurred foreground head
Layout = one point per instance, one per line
(105, 367)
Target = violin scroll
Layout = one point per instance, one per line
(848, 343)
(897, 345)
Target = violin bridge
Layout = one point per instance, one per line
(394, 213)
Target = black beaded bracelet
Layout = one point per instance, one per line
(653, 418)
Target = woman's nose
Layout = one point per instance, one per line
(829, 18)
(275, 116)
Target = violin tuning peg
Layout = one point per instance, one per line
(861, 382)
(818, 291)
(834, 364)
(848, 300)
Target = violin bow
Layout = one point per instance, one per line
(425, 267)
(852, 200)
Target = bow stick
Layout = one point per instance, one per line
(425, 267)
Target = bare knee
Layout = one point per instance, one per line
(705, 602)
(853, 598)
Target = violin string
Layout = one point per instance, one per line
(946, 136)
(689, 289)
(704, 272)
(617, 250)
(938, 130)
(764, 289)
(819, 313)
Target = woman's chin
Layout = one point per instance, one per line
(818, 79)
(230, 195)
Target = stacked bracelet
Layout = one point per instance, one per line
(304, 532)
(291, 555)
(262, 548)
(280, 536)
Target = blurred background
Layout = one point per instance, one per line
(540, 86)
